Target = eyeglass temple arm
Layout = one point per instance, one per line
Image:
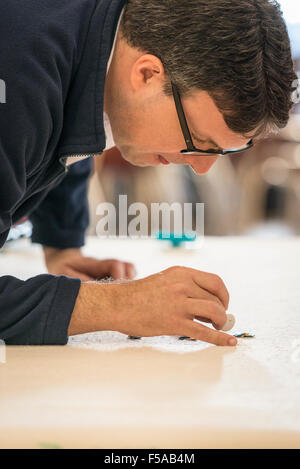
(182, 118)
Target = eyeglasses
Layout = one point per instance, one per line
(190, 147)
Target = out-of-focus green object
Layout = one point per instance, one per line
(176, 238)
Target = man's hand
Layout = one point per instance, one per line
(163, 304)
(72, 263)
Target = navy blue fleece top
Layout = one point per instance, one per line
(53, 61)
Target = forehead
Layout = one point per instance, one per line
(207, 122)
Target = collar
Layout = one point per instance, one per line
(83, 131)
(107, 127)
(115, 40)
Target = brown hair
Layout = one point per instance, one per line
(236, 50)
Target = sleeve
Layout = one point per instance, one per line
(40, 48)
(37, 311)
(62, 218)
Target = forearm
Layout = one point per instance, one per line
(94, 309)
(50, 253)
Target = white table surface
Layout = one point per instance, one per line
(104, 391)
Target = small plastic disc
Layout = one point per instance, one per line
(229, 323)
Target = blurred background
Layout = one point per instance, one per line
(254, 194)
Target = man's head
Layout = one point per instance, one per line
(230, 60)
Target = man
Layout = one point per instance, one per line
(167, 75)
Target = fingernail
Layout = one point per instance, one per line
(232, 341)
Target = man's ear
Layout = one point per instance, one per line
(146, 69)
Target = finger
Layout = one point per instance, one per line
(100, 269)
(200, 332)
(208, 321)
(110, 268)
(212, 311)
(202, 319)
(93, 268)
(130, 270)
(118, 270)
(213, 284)
(193, 291)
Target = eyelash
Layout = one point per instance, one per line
(198, 139)
(204, 141)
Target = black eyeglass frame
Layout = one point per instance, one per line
(190, 147)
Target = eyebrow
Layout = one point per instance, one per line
(211, 142)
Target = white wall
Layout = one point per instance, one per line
(291, 10)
